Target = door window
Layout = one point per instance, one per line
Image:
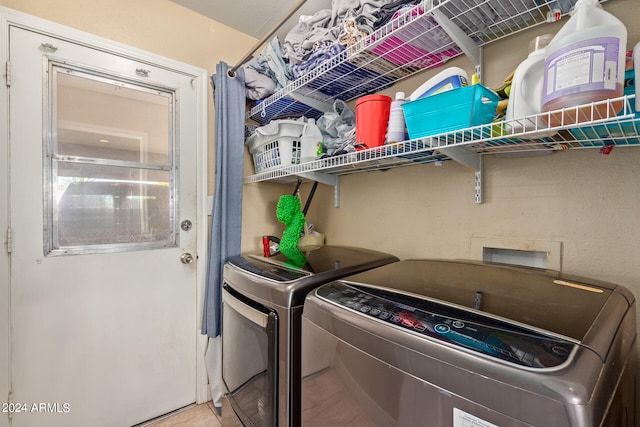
(109, 164)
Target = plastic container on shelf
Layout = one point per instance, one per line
(450, 111)
(525, 98)
(276, 145)
(397, 128)
(585, 64)
(372, 117)
(311, 141)
(451, 78)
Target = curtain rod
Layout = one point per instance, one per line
(232, 71)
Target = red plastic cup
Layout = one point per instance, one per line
(372, 118)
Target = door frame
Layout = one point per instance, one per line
(8, 18)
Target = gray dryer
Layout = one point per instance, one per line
(262, 308)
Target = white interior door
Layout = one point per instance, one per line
(103, 189)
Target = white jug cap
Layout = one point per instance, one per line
(579, 3)
(400, 95)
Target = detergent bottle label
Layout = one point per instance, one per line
(588, 65)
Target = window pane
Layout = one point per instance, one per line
(102, 208)
(110, 165)
(118, 122)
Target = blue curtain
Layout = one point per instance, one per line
(226, 216)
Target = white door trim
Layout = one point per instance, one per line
(8, 18)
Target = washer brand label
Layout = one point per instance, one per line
(463, 419)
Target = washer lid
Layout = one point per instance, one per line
(453, 326)
(329, 262)
(568, 306)
(274, 281)
(271, 268)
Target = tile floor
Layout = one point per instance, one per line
(203, 415)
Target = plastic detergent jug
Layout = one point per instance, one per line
(584, 64)
(451, 78)
(397, 128)
(525, 99)
(310, 142)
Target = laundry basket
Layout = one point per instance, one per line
(282, 148)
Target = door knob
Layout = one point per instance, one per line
(186, 258)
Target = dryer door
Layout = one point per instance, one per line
(249, 359)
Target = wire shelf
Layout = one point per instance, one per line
(414, 41)
(491, 20)
(603, 124)
(282, 108)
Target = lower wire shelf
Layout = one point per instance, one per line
(377, 158)
(604, 125)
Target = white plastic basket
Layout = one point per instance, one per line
(281, 149)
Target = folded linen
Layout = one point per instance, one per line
(362, 11)
(316, 58)
(387, 11)
(257, 85)
(269, 65)
(309, 33)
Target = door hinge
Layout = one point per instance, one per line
(9, 240)
(7, 73)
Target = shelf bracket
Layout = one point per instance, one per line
(323, 107)
(466, 43)
(332, 180)
(478, 183)
(471, 160)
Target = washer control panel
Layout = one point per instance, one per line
(496, 338)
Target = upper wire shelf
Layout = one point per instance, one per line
(423, 37)
(594, 125)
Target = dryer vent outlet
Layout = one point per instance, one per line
(534, 259)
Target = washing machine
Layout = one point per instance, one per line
(261, 342)
(438, 343)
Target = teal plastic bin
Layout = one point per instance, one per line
(449, 111)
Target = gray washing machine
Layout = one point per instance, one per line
(261, 314)
(459, 344)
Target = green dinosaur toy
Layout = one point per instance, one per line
(288, 213)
